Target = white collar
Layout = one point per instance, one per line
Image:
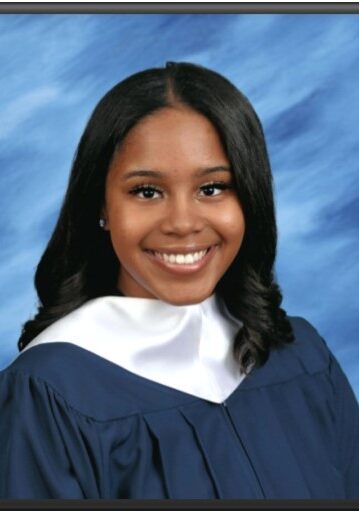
(188, 348)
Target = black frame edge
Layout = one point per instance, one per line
(179, 505)
(179, 7)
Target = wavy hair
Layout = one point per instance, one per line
(79, 262)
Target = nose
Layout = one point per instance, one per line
(183, 216)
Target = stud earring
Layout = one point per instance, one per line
(102, 222)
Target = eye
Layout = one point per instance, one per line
(215, 188)
(145, 191)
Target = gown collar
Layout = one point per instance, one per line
(188, 348)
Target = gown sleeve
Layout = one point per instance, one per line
(43, 446)
(346, 414)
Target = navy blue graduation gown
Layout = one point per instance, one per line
(74, 425)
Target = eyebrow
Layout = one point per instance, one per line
(159, 174)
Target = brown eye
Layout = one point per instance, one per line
(209, 190)
(145, 191)
(215, 188)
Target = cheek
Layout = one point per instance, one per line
(128, 227)
(230, 223)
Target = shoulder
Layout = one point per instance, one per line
(308, 346)
(56, 368)
(307, 355)
(88, 383)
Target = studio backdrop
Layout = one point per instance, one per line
(301, 73)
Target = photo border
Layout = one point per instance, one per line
(179, 8)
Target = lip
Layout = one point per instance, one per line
(181, 250)
(183, 268)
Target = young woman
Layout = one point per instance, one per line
(160, 363)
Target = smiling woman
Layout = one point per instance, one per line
(160, 363)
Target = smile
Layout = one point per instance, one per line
(182, 259)
(182, 262)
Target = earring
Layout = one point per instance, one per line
(102, 222)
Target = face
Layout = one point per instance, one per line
(171, 209)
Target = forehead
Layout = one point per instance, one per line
(175, 138)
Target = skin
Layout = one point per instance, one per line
(177, 211)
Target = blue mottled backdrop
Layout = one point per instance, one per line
(301, 73)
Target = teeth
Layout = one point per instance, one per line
(189, 258)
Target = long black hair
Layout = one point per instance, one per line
(79, 262)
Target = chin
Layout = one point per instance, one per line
(186, 298)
